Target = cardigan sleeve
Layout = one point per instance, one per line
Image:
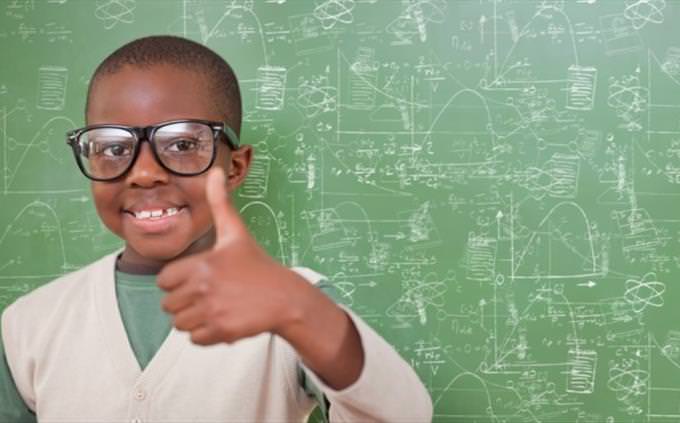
(387, 390)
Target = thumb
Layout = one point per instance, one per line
(228, 223)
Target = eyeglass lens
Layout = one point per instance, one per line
(184, 148)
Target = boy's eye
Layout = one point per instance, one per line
(182, 145)
(115, 150)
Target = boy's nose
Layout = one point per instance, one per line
(146, 171)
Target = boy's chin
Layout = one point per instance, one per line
(154, 253)
(162, 251)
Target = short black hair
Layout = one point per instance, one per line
(181, 52)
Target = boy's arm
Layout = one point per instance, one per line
(236, 290)
(362, 376)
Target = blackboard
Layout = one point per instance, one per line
(494, 185)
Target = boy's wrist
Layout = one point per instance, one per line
(299, 298)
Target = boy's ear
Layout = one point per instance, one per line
(239, 165)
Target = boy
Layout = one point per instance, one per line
(251, 338)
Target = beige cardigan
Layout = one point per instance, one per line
(68, 352)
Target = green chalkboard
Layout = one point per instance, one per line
(494, 185)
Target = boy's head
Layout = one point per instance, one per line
(147, 82)
(180, 53)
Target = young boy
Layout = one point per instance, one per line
(251, 338)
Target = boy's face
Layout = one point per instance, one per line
(137, 96)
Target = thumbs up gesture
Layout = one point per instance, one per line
(235, 289)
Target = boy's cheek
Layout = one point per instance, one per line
(107, 207)
(112, 222)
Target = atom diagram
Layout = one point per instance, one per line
(643, 293)
(316, 99)
(111, 12)
(627, 383)
(333, 11)
(642, 12)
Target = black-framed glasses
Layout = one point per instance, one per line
(184, 147)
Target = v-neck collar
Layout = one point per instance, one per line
(115, 337)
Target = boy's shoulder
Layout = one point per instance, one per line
(66, 287)
(310, 275)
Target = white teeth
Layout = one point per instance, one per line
(156, 214)
(143, 214)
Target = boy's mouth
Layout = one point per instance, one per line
(155, 214)
(154, 219)
(152, 209)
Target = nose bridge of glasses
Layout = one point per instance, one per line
(143, 133)
(146, 161)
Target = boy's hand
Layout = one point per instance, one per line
(234, 290)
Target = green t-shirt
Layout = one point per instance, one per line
(147, 326)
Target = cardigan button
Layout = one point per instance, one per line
(140, 395)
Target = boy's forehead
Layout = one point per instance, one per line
(150, 94)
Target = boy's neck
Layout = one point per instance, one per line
(131, 262)
(137, 268)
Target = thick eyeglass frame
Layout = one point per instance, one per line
(146, 133)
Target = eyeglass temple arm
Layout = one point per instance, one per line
(231, 136)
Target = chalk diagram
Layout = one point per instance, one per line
(114, 12)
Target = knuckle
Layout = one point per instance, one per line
(203, 269)
(202, 287)
(227, 330)
(199, 339)
(230, 331)
(165, 305)
(161, 281)
(179, 323)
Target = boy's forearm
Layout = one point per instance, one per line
(324, 336)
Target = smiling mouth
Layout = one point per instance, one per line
(154, 214)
